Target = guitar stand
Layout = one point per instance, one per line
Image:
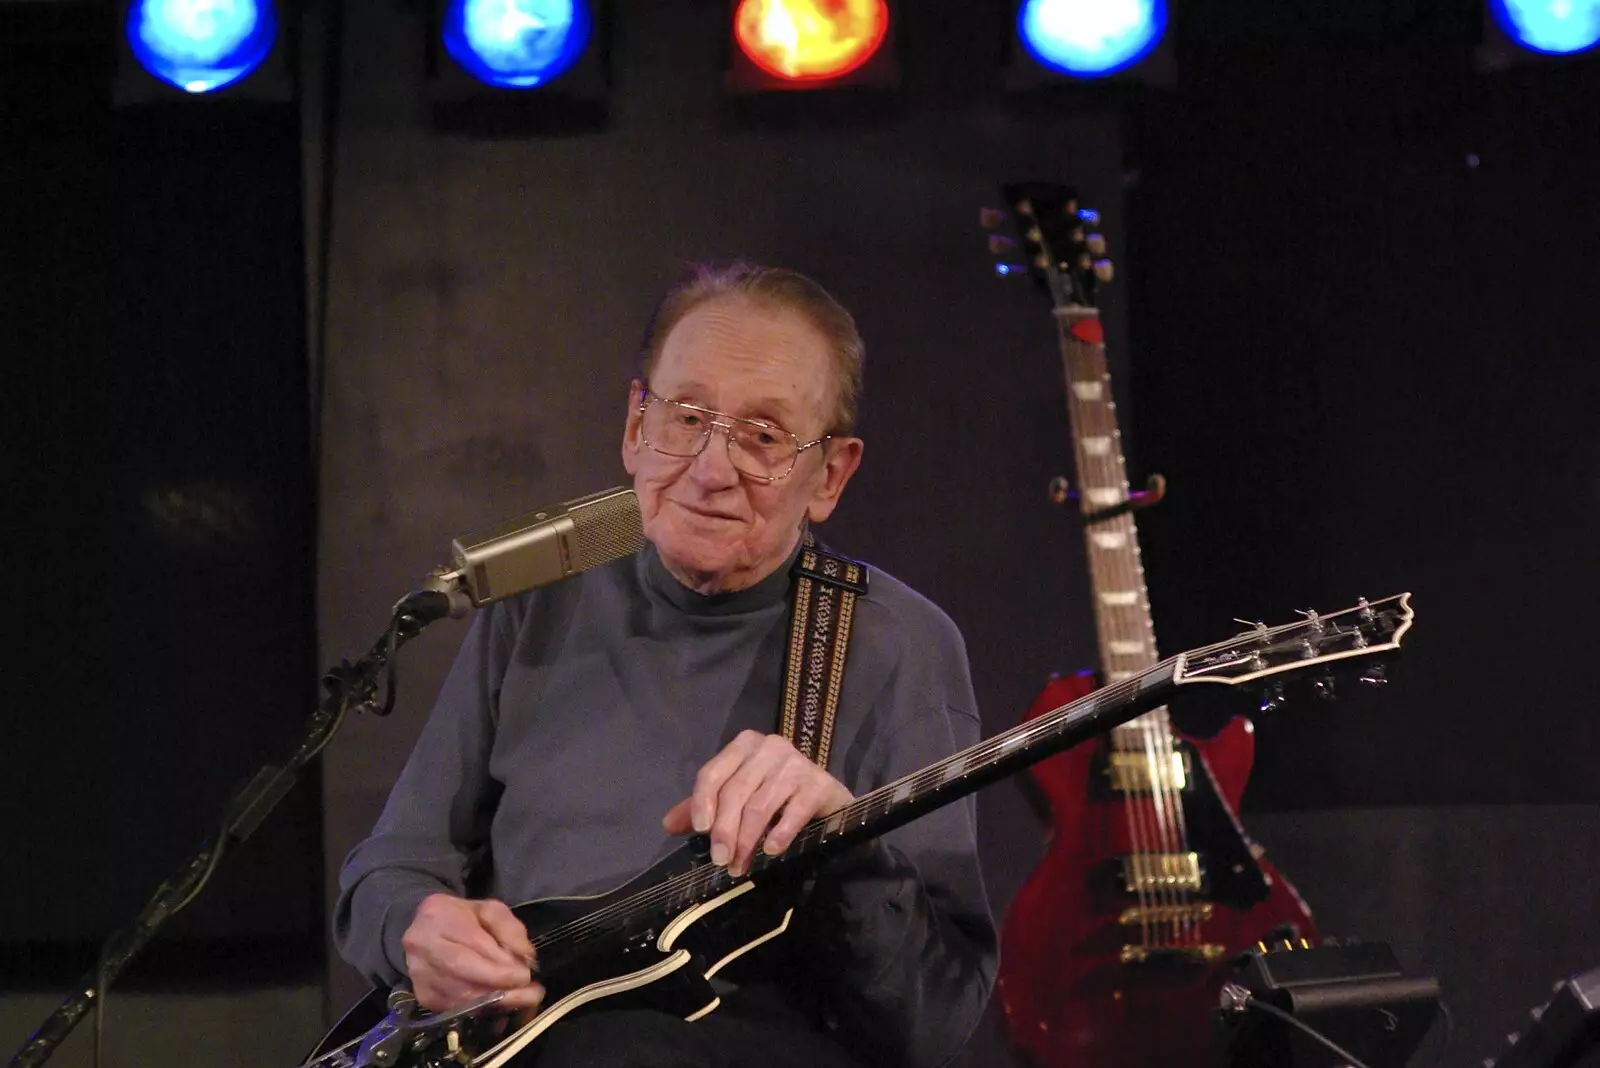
(1350, 998)
(1155, 490)
(349, 685)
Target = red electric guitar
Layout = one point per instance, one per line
(1114, 951)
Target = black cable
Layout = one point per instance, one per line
(1268, 1007)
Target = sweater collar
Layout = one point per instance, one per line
(771, 590)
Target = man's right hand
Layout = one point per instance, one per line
(458, 951)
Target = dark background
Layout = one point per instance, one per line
(267, 358)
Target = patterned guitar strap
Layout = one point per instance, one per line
(825, 590)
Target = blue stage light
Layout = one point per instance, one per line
(1554, 27)
(201, 45)
(516, 44)
(1091, 38)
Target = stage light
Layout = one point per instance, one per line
(1090, 38)
(810, 41)
(201, 45)
(517, 44)
(1553, 27)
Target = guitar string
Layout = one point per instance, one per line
(701, 880)
(1083, 367)
(705, 878)
(1155, 804)
(1145, 809)
(698, 883)
(1165, 803)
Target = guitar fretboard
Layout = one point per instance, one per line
(1116, 574)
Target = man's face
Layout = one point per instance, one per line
(716, 529)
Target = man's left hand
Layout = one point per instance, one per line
(739, 792)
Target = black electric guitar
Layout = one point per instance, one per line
(659, 939)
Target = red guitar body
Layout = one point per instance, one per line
(1070, 1001)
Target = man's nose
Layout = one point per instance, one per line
(714, 465)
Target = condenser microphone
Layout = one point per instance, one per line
(540, 547)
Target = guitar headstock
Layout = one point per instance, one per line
(1365, 630)
(1057, 240)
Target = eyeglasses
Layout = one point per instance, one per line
(760, 450)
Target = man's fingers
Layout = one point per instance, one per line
(781, 791)
(471, 932)
(733, 802)
(804, 806)
(467, 964)
(523, 997)
(437, 993)
(678, 819)
(705, 804)
(508, 931)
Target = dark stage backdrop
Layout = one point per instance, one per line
(486, 298)
(1359, 356)
(1363, 297)
(159, 511)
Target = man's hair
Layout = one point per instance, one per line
(769, 287)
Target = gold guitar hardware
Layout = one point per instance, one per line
(1207, 951)
(1139, 915)
(1154, 873)
(1131, 772)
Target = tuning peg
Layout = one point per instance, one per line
(1096, 243)
(1001, 245)
(1272, 699)
(1006, 270)
(1104, 270)
(1323, 687)
(992, 218)
(1373, 676)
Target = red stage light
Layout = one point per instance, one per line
(810, 40)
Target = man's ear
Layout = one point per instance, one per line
(843, 457)
(631, 441)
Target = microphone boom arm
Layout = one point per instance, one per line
(350, 685)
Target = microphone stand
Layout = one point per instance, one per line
(349, 685)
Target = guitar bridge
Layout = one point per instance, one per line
(1203, 953)
(1139, 915)
(1155, 873)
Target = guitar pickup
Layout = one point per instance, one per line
(1156, 873)
(1133, 772)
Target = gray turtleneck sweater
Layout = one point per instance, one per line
(576, 715)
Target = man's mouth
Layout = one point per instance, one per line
(708, 513)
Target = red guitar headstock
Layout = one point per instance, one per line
(1059, 244)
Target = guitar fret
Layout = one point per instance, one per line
(1097, 445)
(1104, 496)
(1109, 539)
(1125, 648)
(1119, 598)
(1088, 391)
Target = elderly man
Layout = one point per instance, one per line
(587, 726)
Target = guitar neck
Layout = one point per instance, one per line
(1243, 659)
(1116, 573)
(993, 759)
